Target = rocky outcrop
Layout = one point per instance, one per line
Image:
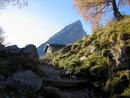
(13, 58)
(67, 35)
(18, 68)
(25, 81)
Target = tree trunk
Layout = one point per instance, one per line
(117, 14)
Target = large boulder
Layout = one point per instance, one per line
(13, 59)
(30, 52)
(25, 81)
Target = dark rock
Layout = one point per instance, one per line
(3, 62)
(13, 47)
(107, 53)
(2, 82)
(51, 92)
(99, 71)
(84, 93)
(66, 49)
(13, 59)
(30, 52)
(1, 47)
(124, 59)
(125, 53)
(25, 81)
(12, 50)
(50, 72)
(125, 36)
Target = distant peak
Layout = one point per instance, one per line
(77, 22)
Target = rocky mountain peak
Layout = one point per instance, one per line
(67, 35)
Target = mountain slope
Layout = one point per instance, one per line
(103, 57)
(67, 35)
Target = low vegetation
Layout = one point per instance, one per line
(98, 55)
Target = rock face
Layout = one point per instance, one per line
(25, 81)
(67, 35)
(17, 72)
(13, 58)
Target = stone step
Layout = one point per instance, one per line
(65, 83)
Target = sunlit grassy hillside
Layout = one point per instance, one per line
(92, 48)
(97, 56)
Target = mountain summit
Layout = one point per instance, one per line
(67, 35)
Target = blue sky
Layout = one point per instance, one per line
(38, 21)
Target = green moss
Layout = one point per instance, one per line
(117, 82)
(126, 92)
(96, 46)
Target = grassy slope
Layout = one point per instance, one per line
(92, 47)
(90, 55)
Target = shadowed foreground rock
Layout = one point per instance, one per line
(13, 59)
(31, 52)
(125, 57)
(51, 92)
(25, 81)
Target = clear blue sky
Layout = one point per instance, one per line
(40, 20)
